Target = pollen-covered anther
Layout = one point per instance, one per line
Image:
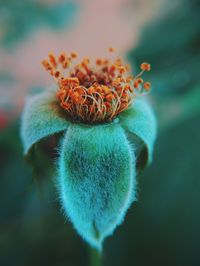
(57, 74)
(62, 58)
(147, 86)
(52, 60)
(46, 64)
(74, 55)
(145, 66)
(94, 93)
(136, 84)
(111, 49)
(110, 97)
(99, 61)
(140, 80)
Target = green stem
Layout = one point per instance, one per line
(95, 257)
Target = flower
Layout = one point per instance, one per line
(94, 94)
(103, 123)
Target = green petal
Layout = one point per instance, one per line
(140, 123)
(41, 117)
(96, 179)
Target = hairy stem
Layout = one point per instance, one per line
(95, 257)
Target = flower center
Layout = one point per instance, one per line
(98, 93)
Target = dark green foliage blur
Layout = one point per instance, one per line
(32, 229)
(18, 19)
(171, 43)
(163, 227)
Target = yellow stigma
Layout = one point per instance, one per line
(97, 93)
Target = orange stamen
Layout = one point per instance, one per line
(111, 49)
(52, 59)
(74, 55)
(140, 80)
(62, 58)
(145, 66)
(46, 65)
(57, 74)
(110, 97)
(95, 93)
(147, 86)
(91, 90)
(99, 61)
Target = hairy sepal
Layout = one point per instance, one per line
(42, 117)
(96, 179)
(140, 125)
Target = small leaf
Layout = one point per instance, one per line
(96, 179)
(42, 117)
(139, 122)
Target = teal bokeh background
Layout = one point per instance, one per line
(162, 228)
(20, 18)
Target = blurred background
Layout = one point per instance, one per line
(163, 227)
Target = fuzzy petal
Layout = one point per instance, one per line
(96, 179)
(41, 117)
(139, 122)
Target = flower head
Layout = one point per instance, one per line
(94, 93)
(96, 165)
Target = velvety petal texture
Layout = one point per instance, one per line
(96, 178)
(42, 117)
(96, 165)
(139, 121)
